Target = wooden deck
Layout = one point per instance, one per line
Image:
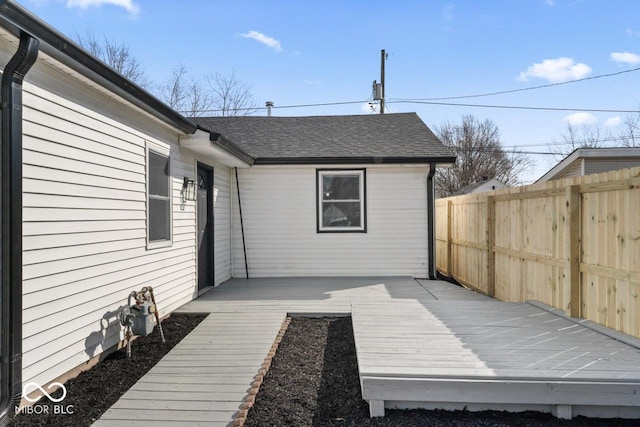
(419, 343)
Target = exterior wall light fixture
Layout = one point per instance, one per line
(188, 190)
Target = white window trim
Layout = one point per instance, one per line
(363, 200)
(164, 151)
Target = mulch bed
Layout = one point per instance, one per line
(313, 381)
(94, 391)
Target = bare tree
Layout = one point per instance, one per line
(630, 136)
(231, 96)
(172, 90)
(222, 94)
(216, 94)
(479, 154)
(184, 94)
(585, 136)
(117, 56)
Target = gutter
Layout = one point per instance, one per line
(11, 260)
(229, 146)
(18, 20)
(431, 221)
(352, 160)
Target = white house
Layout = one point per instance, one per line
(93, 176)
(332, 195)
(481, 186)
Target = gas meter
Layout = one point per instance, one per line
(138, 318)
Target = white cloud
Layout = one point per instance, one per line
(613, 121)
(264, 39)
(447, 12)
(632, 33)
(582, 118)
(625, 57)
(556, 70)
(129, 5)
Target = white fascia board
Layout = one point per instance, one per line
(200, 143)
(564, 163)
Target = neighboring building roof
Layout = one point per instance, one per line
(379, 138)
(478, 187)
(607, 159)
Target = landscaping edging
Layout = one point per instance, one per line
(250, 399)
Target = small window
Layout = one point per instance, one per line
(341, 201)
(158, 197)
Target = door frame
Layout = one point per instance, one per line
(211, 220)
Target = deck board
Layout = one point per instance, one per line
(468, 340)
(415, 340)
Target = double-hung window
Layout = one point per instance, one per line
(158, 196)
(341, 200)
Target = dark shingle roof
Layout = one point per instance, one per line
(362, 138)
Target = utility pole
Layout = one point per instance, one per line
(382, 59)
(378, 88)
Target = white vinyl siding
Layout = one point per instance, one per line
(85, 235)
(279, 210)
(604, 165)
(222, 222)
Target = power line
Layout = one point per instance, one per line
(578, 142)
(521, 89)
(515, 107)
(323, 104)
(429, 100)
(451, 104)
(504, 150)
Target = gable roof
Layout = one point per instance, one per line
(379, 138)
(476, 185)
(607, 153)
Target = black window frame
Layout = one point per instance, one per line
(362, 174)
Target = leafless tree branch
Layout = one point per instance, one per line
(480, 156)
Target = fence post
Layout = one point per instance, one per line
(572, 248)
(491, 240)
(449, 238)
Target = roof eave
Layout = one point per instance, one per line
(231, 147)
(353, 160)
(215, 146)
(15, 19)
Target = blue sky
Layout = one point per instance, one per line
(304, 52)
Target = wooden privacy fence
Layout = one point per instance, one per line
(573, 244)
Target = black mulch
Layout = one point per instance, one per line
(313, 381)
(94, 391)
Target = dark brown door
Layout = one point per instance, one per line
(205, 227)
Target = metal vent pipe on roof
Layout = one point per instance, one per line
(269, 105)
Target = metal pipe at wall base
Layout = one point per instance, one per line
(11, 261)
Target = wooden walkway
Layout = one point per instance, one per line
(419, 343)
